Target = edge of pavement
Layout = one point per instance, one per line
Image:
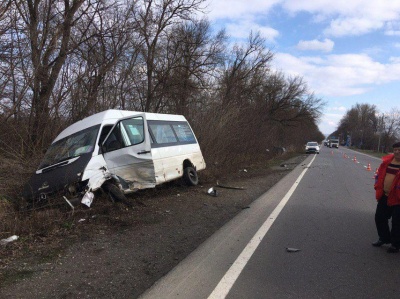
(205, 266)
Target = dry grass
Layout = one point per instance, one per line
(50, 220)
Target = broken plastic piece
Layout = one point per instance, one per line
(8, 240)
(87, 199)
(289, 249)
(212, 191)
(68, 202)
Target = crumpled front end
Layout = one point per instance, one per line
(57, 181)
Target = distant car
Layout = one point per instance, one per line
(312, 147)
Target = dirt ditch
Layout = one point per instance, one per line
(112, 251)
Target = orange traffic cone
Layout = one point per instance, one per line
(355, 159)
(369, 167)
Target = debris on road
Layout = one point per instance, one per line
(69, 203)
(229, 187)
(212, 191)
(8, 240)
(289, 249)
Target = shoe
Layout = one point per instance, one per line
(393, 249)
(379, 243)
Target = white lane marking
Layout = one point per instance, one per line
(226, 283)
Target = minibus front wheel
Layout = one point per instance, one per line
(115, 193)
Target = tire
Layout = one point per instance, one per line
(114, 192)
(190, 176)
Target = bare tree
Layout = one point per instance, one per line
(5, 45)
(288, 101)
(105, 44)
(192, 56)
(390, 129)
(248, 63)
(361, 124)
(48, 25)
(4, 19)
(13, 67)
(154, 18)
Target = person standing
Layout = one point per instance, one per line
(387, 193)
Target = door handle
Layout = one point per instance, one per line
(143, 152)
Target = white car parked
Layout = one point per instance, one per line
(312, 147)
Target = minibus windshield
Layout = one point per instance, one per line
(79, 143)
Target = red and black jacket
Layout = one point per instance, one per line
(394, 193)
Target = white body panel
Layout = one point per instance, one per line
(170, 160)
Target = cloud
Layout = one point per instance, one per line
(340, 108)
(348, 18)
(239, 18)
(340, 17)
(339, 75)
(316, 45)
(392, 29)
(242, 28)
(395, 60)
(352, 26)
(233, 9)
(392, 32)
(329, 122)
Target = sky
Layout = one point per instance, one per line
(347, 51)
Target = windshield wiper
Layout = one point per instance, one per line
(59, 163)
(55, 166)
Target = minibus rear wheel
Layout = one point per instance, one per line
(190, 176)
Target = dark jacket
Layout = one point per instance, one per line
(394, 193)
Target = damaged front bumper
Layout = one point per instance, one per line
(51, 191)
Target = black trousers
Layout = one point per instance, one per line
(382, 215)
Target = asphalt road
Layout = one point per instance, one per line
(325, 210)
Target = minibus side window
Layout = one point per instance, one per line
(114, 140)
(133, 131)
(184, 133)
(104, 132)
(163, 133)
(126, 133)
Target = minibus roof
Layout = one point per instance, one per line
(115, 115)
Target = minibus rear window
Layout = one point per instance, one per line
(170, 133)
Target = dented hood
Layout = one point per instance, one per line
(54, 178)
